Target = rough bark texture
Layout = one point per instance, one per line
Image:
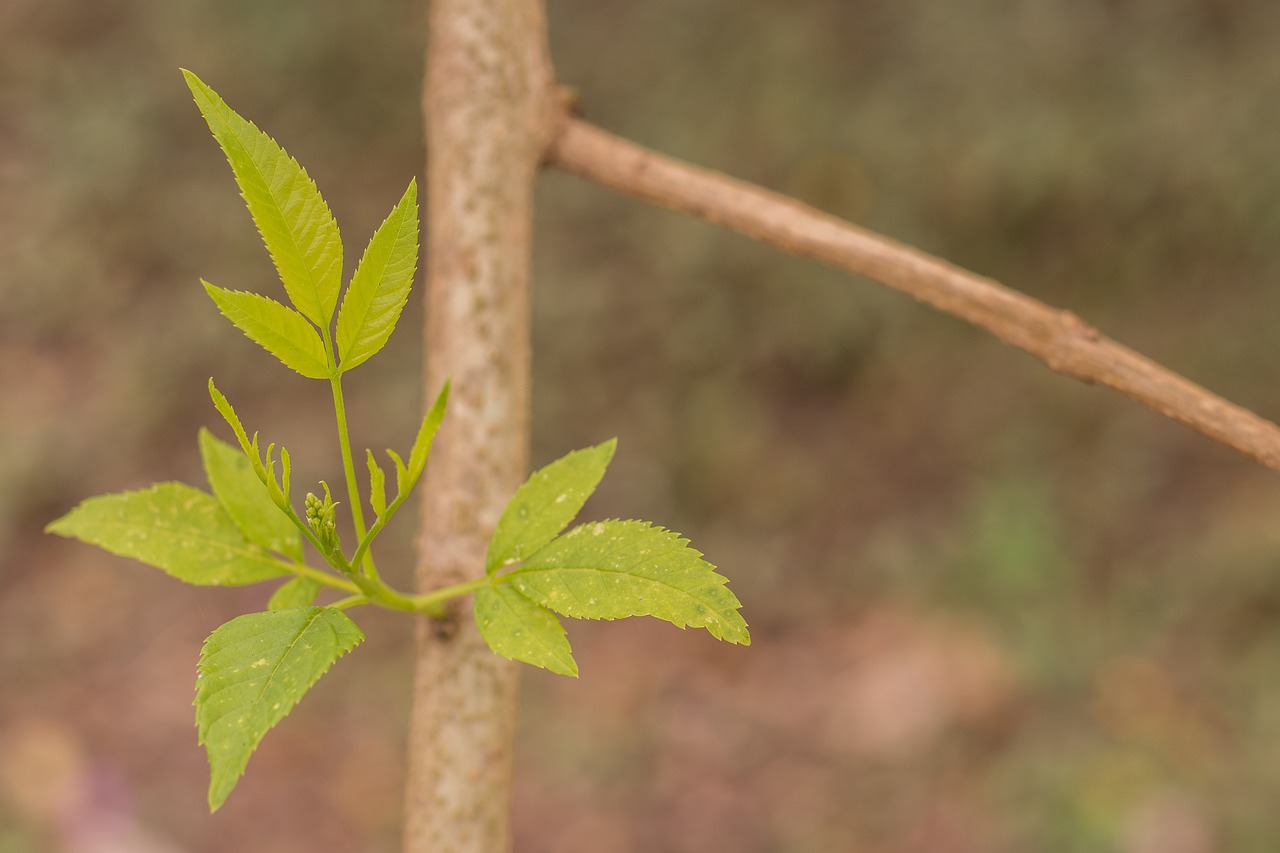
(1059, 338)
(488, 106)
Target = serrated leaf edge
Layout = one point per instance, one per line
(310, 359)
(353, 341)
(310, 288)
(741, 634)
(202, 695)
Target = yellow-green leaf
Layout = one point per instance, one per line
(173, 527)
(518, 629)
(246, 499)
(546, 503)
(299, 592)
(292, 217)
(426, 434)
(278, 329)
(380, 286)
(252, 671)
(613, 569)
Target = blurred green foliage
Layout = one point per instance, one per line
(994, 610)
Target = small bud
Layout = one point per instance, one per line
(320, 516)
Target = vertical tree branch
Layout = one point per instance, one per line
(489, 114)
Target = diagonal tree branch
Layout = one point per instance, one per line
(1058, 338)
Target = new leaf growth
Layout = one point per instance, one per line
(255, 668)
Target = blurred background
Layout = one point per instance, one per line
(992, 609)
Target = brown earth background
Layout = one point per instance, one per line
(992, 610)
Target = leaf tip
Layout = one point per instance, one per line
(606, 449)
(199, 89)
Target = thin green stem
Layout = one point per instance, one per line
(348, 463)
(365, 590)
(432, 603)
(381, 521)
(320, 577)
(380, 593)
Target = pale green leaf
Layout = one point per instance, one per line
(613, 569)
(546, 503)
(380, 286)
(246, 499)
(252, 671)
(278, 329)
(427, 433)
(402, 473)
(518, 629)
(223, 405)
(377, 486)
(293, 219)
(299, 592)
(173, 527)
(278, 495)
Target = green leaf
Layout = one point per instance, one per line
(403, 480)
(246, 499)
(293, 219)
(223, 405)
(612, 569)
(427, 433)
(281, 495)
(546, 503)
(518, 629)
(173, 527)
(252, 671)
(380, 286)
(377, 486)
(299, 592)
(278, 329)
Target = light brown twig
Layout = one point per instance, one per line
(1058, 338)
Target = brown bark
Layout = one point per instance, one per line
(488, 107)
(1059, 338)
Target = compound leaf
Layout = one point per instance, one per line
(292, 217)
(546, 503)
(173, 527)
(518, 629)
(252, 671)
(278, 329)
(246, 499)
(612, 569)
(299, 592)
(380, 286)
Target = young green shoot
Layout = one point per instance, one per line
(247, 528)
